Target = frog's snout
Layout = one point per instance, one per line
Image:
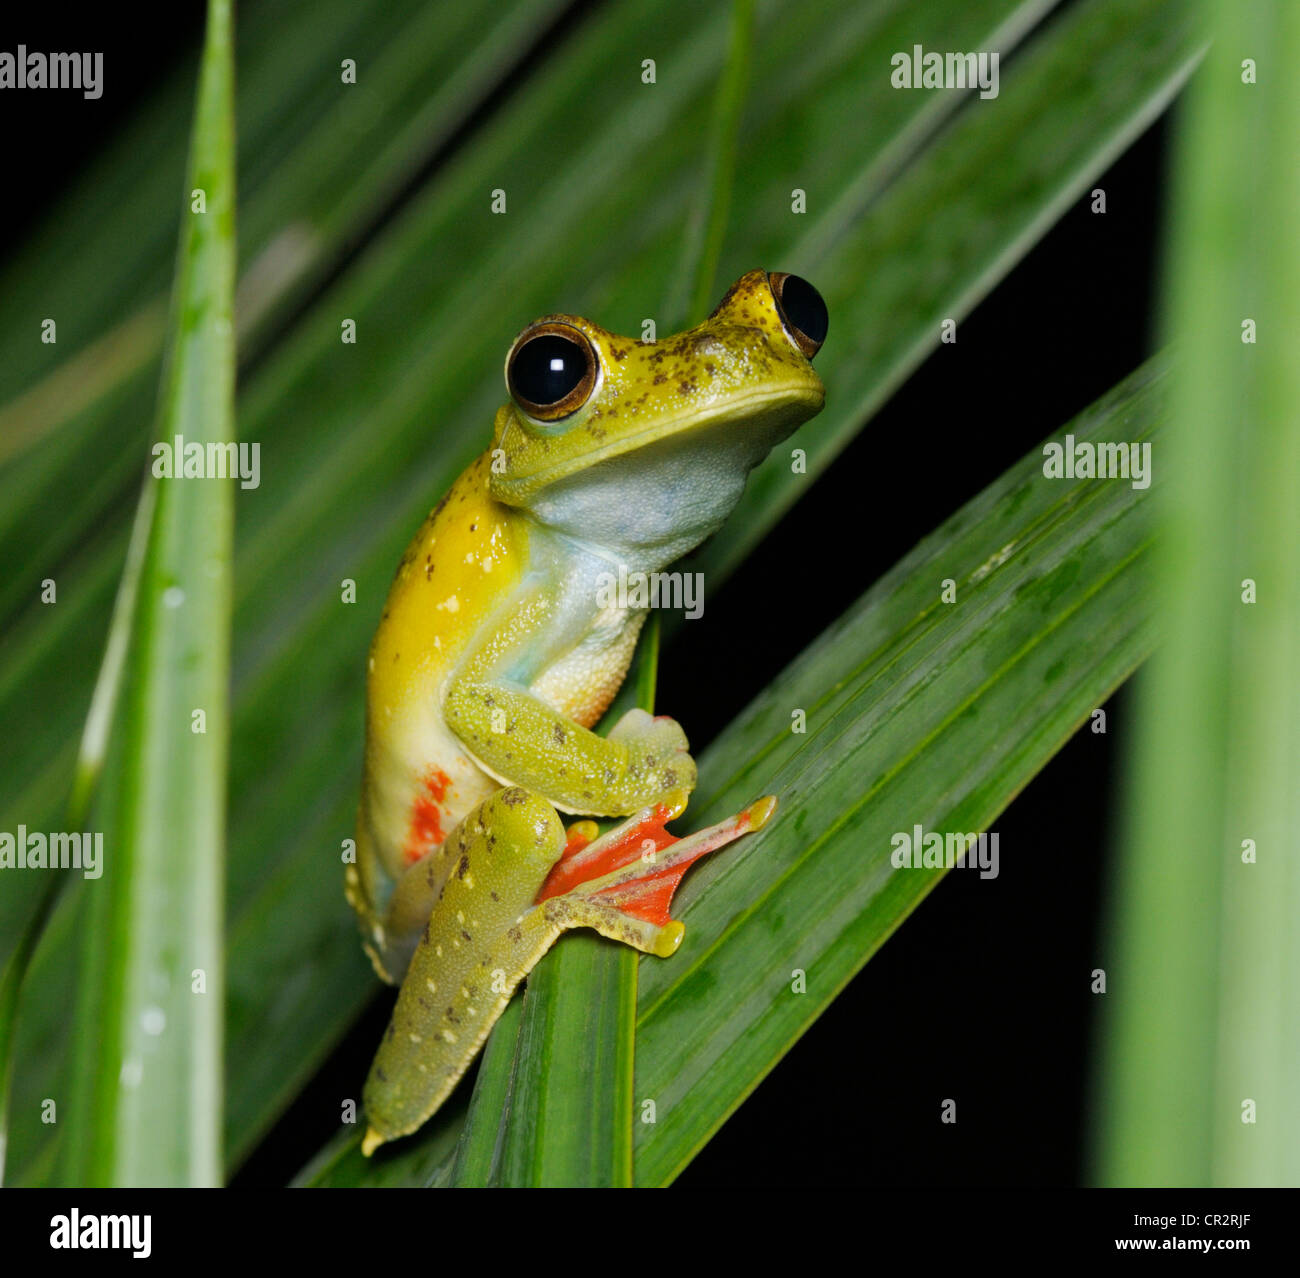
(788, 299)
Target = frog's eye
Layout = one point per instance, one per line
(551, 371)
(802, 311)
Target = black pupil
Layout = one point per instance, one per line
(547, 368)
(804, 308)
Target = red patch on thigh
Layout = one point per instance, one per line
(425, 832)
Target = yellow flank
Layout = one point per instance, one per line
(464, 558)
(419, 781)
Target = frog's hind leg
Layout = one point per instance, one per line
(483, 935)
(390, 934)
(392, 939)
(513, 884)
(622, 883)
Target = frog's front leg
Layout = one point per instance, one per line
(517, 735)
(514, 887)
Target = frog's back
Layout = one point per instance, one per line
(419, 781)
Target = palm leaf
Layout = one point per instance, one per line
(919, 712)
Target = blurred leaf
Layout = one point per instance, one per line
(11, 984)
(90, 760)
(706, 230)
(1202, 970)
(147, 1078)
(321, 162)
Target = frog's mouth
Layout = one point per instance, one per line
(740, 429)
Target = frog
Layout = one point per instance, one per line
(501, 645)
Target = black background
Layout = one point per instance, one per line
(983, 996)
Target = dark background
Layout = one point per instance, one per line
(984, 995)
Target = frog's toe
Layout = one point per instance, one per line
(578, 834)
(632, 724)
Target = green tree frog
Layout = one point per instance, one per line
(498, 651)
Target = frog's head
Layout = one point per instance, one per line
(643, 447)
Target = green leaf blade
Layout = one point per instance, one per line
(568, 1120)
(940, 714)
(147, 1084)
